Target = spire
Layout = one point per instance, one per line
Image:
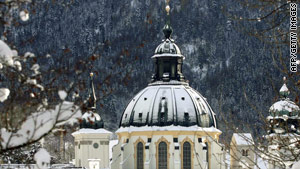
(91, 119)
(167, 28)
(167, 56)
(92, 96)
(284, 91)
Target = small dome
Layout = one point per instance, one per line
(91, 120)
(168, 47)
(164, 105)
(284, 107)
(90, 116)
(284, 91)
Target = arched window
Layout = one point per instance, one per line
(245, 152)
(186, 155)
(140, 155)
(162, 155)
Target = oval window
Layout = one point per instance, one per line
(96, 145)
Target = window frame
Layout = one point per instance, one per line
(162, 139)
(139, 140)
(187, 139)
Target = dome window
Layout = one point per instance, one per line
(175, 140)
(145, 98)
(182, 98)
(125, 116)
(204, 146)
(140, 115)
(186, 115)
(200, 140)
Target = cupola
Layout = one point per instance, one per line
(91, 119)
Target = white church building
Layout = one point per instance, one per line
(167, 125)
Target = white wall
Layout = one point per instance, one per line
(87, 150)
(127, 160)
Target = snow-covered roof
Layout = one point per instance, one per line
(242, 139)
(284, 106)
(90, 116)
(284, 117)
(291, 135)
(284, 88)
(167, 128)
(91, 131)
(178, 104)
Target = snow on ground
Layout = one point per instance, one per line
(40, 123)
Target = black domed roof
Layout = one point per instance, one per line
(168, 100)
(284, 106)
(163, 105)
(168, 47)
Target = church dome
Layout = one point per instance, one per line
(284, 114)
(284, 107)
(168, 47)
(168, 99)
(91, 119)
(168, 104)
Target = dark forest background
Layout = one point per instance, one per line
(222, 62)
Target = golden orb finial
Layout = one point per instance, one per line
(284, 79)
(168, 9)
(91, 74)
